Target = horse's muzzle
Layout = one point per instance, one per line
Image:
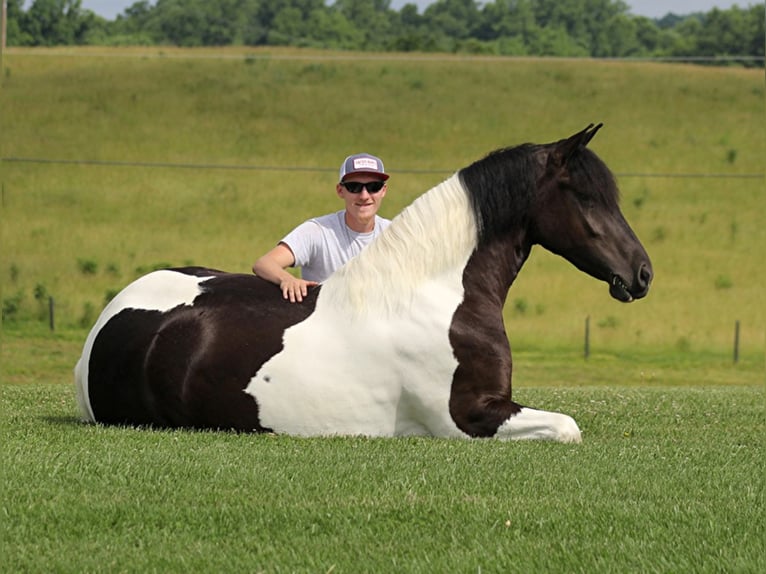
(637, 289)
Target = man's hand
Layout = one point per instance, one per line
(295, 289)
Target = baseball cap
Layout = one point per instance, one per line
(362, 163)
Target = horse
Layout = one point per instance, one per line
(406, 339)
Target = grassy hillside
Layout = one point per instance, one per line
(80, 232)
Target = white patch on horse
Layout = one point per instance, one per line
(158, 291)
(375, 357)
(535, 424)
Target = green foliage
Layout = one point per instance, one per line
(723, 282)
(609, 322)
(40, 292)
(640, 199)
(87, 266)
(109, 295)
(594, 28)
(42, 298)
(13, 273)
(88, 315)
(12, 306)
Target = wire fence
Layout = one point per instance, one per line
(319, 169)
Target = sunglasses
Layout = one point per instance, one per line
(357, 186)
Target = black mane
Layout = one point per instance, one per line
(501, 187)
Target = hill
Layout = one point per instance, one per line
(148, 157)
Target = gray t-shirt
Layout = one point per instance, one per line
(323, 244)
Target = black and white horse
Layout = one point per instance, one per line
(406, 339)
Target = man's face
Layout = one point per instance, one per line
(363, 205)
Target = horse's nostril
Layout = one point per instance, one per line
(645, 274)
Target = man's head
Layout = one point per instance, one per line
(362, 185)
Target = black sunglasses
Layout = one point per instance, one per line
(356, 186)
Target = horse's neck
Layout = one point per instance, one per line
(432, 238)
(493, 268)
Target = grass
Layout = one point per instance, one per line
(668, 479)
(670, 475)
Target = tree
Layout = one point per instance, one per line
(729, 32)
(456, 19)
(596, 28)
(56, 22)
(372, 18)
(507, 19)
(16, 35)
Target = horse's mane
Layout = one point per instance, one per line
(501, 187)
(433, 235)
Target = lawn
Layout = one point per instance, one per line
(668, 479)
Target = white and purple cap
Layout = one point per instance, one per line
(362, 163)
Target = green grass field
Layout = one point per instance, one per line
(669, 477)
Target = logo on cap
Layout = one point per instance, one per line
(361, 163)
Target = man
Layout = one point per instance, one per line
(321, 245)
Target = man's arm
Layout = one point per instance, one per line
(272, 267)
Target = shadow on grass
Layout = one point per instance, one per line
(63, 420)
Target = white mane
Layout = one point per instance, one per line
(432, 237)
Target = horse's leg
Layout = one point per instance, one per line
(481, 406)
(534, 424)
(480, 399)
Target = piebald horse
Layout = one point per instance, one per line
(405, 339)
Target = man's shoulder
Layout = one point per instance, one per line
(328, 220)
(316, 225)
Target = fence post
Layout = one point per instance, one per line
(587, 337)
(51, 318)
(736, 342)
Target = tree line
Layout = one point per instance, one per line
(576, 28)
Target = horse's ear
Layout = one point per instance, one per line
(570, 146)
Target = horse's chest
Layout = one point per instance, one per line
(363, 374)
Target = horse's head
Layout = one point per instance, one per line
(576, 215)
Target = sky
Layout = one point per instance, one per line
(109, 9)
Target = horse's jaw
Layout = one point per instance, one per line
(619, 290)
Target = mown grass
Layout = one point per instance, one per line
(668, 479)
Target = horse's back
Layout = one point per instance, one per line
(177, 347)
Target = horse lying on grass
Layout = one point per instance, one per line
(405, 339)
